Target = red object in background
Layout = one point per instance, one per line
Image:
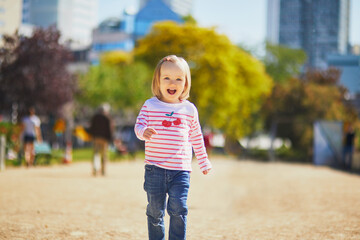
(68, 153)
(207, 142)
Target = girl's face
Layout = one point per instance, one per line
(172, 82)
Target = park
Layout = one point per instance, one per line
(239, 199)
(250, 193)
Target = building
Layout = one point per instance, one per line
(181, 7)
(319, 27)
(152, 12)
(121, 34)
(356, 49)
(75, 19)
(349, 65)
(10, 16)
(111, 35)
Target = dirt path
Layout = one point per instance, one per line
(238, 200)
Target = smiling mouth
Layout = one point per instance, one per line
(171, 92)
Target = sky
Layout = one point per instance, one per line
(243, 21)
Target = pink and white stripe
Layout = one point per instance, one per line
(178, 131)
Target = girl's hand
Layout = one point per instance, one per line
(148, 133)
(206, 171)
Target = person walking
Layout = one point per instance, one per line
(169, 125)
(101, 130)
(31, 133)
(348, 150)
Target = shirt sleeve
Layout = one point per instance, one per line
(37, 122)
(141, 122)
(197, 142)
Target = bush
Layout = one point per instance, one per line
(12, 134)
(283, 154)
(291, 155)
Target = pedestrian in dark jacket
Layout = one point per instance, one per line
(349, 146)
(101, 130)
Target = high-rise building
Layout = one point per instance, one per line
(121, 34)
(181, 7)
(153, 11)
(349, 65)
(319, 27)
(75, 19)
(10, 16)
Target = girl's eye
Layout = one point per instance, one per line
(179, 79)
(166, 78)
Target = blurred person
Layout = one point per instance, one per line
(101, 130)
(59, 130)
(349, 147)
(31, 132)
(130, 140)
(169, 125)
(208, 140)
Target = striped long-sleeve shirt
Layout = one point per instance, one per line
(178, 128)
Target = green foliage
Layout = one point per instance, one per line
(12, 134)
(86, 155)
(116, 58)
(124, 86)
(189, 19)
(228, 84)
(282, 62)
(82, 154)
(298, 103)
(283, 153)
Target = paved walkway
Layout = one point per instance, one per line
(238, 200)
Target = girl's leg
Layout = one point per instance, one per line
(177, 207)
(156, 194)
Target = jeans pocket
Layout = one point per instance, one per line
(148, 173)
(149, 168)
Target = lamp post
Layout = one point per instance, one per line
(2, 152)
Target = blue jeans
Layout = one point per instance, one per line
(158, 184)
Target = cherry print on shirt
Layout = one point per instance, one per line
(177, 121)
(167, 123)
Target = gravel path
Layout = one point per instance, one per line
(237, 200)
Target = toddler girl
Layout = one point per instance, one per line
(169, 124)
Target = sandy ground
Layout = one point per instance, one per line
(238, 200)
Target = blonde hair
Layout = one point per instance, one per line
(155, 87)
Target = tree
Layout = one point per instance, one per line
(189, 19)
(114, 58)
(33, 71)
(228, 84)
(282, 62)
(118, 80)
(296, 104)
